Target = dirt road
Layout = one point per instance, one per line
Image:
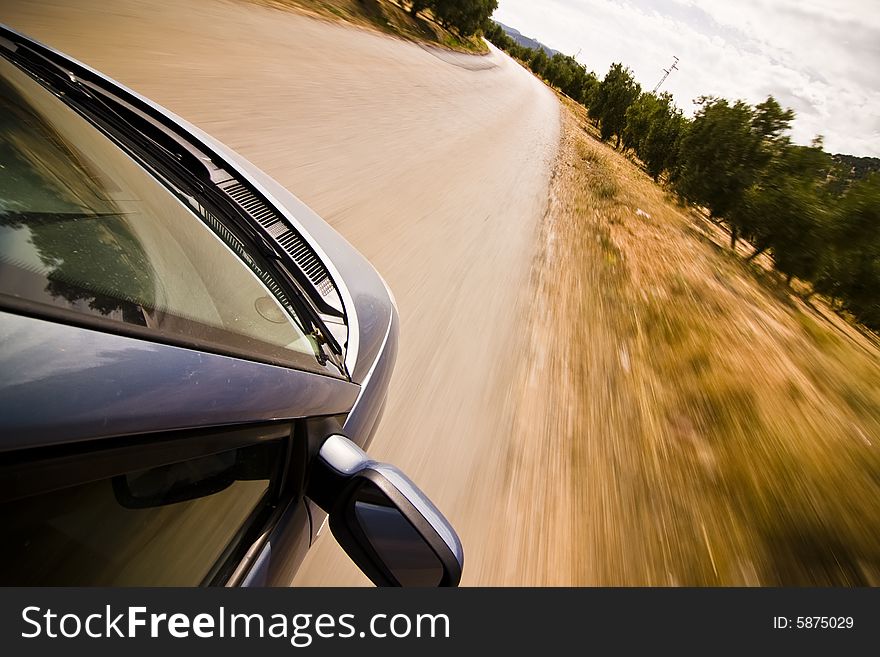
(435, 165)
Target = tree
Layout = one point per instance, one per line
(611, 100)
(719, 155)
(589, 85)
(654, 130)
(415, 6)
(559, 73)
(495, 33)
(640, 116)
(661, 148)
(574, 84)
(538, 62)
(770, 122)
(465, 16)
(521, 52)
(852, 271)
(786, 210)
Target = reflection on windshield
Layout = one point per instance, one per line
(59, 223)
(86, 229)
(55, 237)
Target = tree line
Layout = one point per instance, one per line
(818, 221)
(466, 17)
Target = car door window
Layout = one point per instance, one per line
(84, 228)
(169, 524)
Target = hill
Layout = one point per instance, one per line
(859, 167)
(523, 40)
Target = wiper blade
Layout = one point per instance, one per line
(176, 163)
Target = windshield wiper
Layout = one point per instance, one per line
(177, 164)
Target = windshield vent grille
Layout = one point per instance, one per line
(242, 253)
(289, 240)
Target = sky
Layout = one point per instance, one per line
(819, 57)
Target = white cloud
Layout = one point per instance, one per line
(819, 57)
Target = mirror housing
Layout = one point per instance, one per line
(383, 521)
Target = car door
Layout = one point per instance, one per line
(176, 508)
(128, 462)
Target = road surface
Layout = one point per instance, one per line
(435, 165)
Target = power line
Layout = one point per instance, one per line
(666, 72)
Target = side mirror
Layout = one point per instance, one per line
(388, 527)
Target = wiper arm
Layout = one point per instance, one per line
(138, 132)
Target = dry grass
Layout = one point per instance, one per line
(717, 430)
(385, 16)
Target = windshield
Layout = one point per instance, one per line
(85, 229)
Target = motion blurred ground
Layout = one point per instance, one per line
(592, 394)
(699, 423)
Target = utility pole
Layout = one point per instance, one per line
(666, 72)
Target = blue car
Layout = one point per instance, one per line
(192, 361)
